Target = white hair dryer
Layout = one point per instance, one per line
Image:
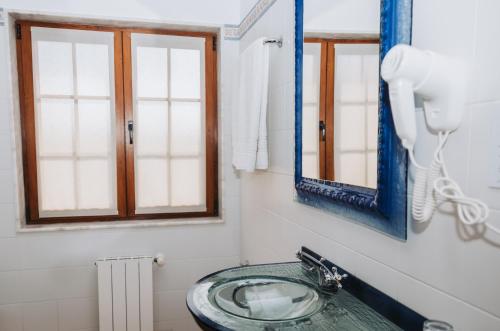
(440, 81)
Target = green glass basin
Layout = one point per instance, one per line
(277, 297)
(267, 299)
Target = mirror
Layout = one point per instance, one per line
(340, 91)
(348, 158)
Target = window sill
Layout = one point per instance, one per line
(118, 224)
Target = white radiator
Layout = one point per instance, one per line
(125, 294)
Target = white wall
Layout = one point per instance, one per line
(172, 11)
(245, 7)
(48, 280)
(339, 16)
(439, 271)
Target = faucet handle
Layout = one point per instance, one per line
(338, 277)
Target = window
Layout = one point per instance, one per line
(356, 114)
(313, 109)
(340, 110)
(117, 124)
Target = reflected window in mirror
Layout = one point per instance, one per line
(340, 75)
(340, 110)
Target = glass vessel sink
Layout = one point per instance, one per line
(267, 299)
(281, 296)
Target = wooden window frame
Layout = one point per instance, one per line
(327, 98)
(123, 112)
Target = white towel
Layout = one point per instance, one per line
(268, 302)
(249, 119)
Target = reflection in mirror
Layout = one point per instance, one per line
(340, 91)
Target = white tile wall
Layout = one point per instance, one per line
(48, 280)
(484, 125)
(78, 314)
(440, 271)
(486, 72)
(11, 317)
(40, 316)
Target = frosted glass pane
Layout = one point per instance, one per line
(55, 127)
(151, 128)
(349, 84)
(95, 185)
(372, 92)
(185, 73)
(94, 119)
(309, 87)
(352, 169)
(311, 72)
(187, 182)
(92, 69)
(372, 126)
(186, 128)
(371, 65)
(151, 72)
(310, 166)
(371, 72)
(151, 183)
(55, 67)
(351, 126)
(56, 180)
(310, 128)
(371, 180)
(351, 92)
(349, 67)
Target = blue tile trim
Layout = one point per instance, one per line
(257, 18)
(253, 20)
(383, 209)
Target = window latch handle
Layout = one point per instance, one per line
(322, 129)
(130, 126)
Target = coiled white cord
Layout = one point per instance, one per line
(433, 186)
(424, 200)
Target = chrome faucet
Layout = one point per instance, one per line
(328, 279)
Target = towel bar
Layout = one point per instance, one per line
(278, 42)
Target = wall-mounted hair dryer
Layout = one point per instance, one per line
(441, 83)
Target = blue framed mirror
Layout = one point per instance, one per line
(348, 158)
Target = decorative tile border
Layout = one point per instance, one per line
(232, 32)
(236, 32)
